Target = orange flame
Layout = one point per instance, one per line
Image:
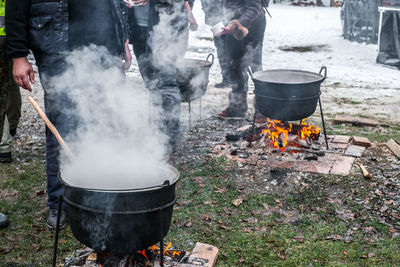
(278, 132)
(143, 252)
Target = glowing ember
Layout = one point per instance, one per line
(278, 132)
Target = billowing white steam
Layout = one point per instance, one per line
(117, 145)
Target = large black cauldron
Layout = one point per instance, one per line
(287, 95)
(124, 221)
(192, 77)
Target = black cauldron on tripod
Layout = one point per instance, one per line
(120, 222)
(288, 95)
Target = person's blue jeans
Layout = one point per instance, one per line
(60, 111)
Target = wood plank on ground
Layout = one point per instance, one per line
(394, 147)
(339, 119)
(202, 255)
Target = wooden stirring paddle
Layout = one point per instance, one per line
(51, 127)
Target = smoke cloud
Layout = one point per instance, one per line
(117, 144)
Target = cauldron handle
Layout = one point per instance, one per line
(212, 56)
(325, 69)
(250, 72)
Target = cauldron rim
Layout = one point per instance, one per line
(168, 182)
(318, 78)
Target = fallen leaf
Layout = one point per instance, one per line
(345, 253)
(282, 255)
(225, 227)
(384, 208)
(247, 230)
(251, 220)
(199, 181)
(389, 202)
(208, 202)
(188, 224)
(237, 202)
(220, 190)
(298, 238)
(205, 217)
(334, 237)
(265, 205)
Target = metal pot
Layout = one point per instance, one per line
(192, 77)
(121, 222)
(287, 95)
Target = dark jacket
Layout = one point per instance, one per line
(247, 12)
(42, 26)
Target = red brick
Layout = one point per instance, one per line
(338, 146)
(361, 141)
(342, 139)
(342, 166)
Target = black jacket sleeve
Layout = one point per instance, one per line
(17, 19)
(252, 11)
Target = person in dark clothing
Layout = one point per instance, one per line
(244, 33)
(213, 10)
(157, 35)
(50, 29)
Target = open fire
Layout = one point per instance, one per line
(282, 134)
(142, 258)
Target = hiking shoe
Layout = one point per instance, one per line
(260, 118)
(52, 219)
(3, 221)
(228, 114)
(5, 157)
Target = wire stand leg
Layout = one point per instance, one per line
(60, 200)
(200, 108)
(162, 239)
(190, 116)
(323, 123)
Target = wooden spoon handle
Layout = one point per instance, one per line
(51, 127)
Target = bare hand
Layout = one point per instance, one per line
(23, 73)
(132, 3)
(225, 30)
(127, 63)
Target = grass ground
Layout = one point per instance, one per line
(249, 229)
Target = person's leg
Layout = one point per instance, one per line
(14, 104)
(223, 61)
(59, 110)
(5, 139)
(5, 144)
(164, 47)
(254, 54)
(238, 96)
(139, 43)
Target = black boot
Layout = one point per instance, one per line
(3, 221)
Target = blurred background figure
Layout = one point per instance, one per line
(244, 38)
(213, 10)
(159, 35)
(10, 97)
